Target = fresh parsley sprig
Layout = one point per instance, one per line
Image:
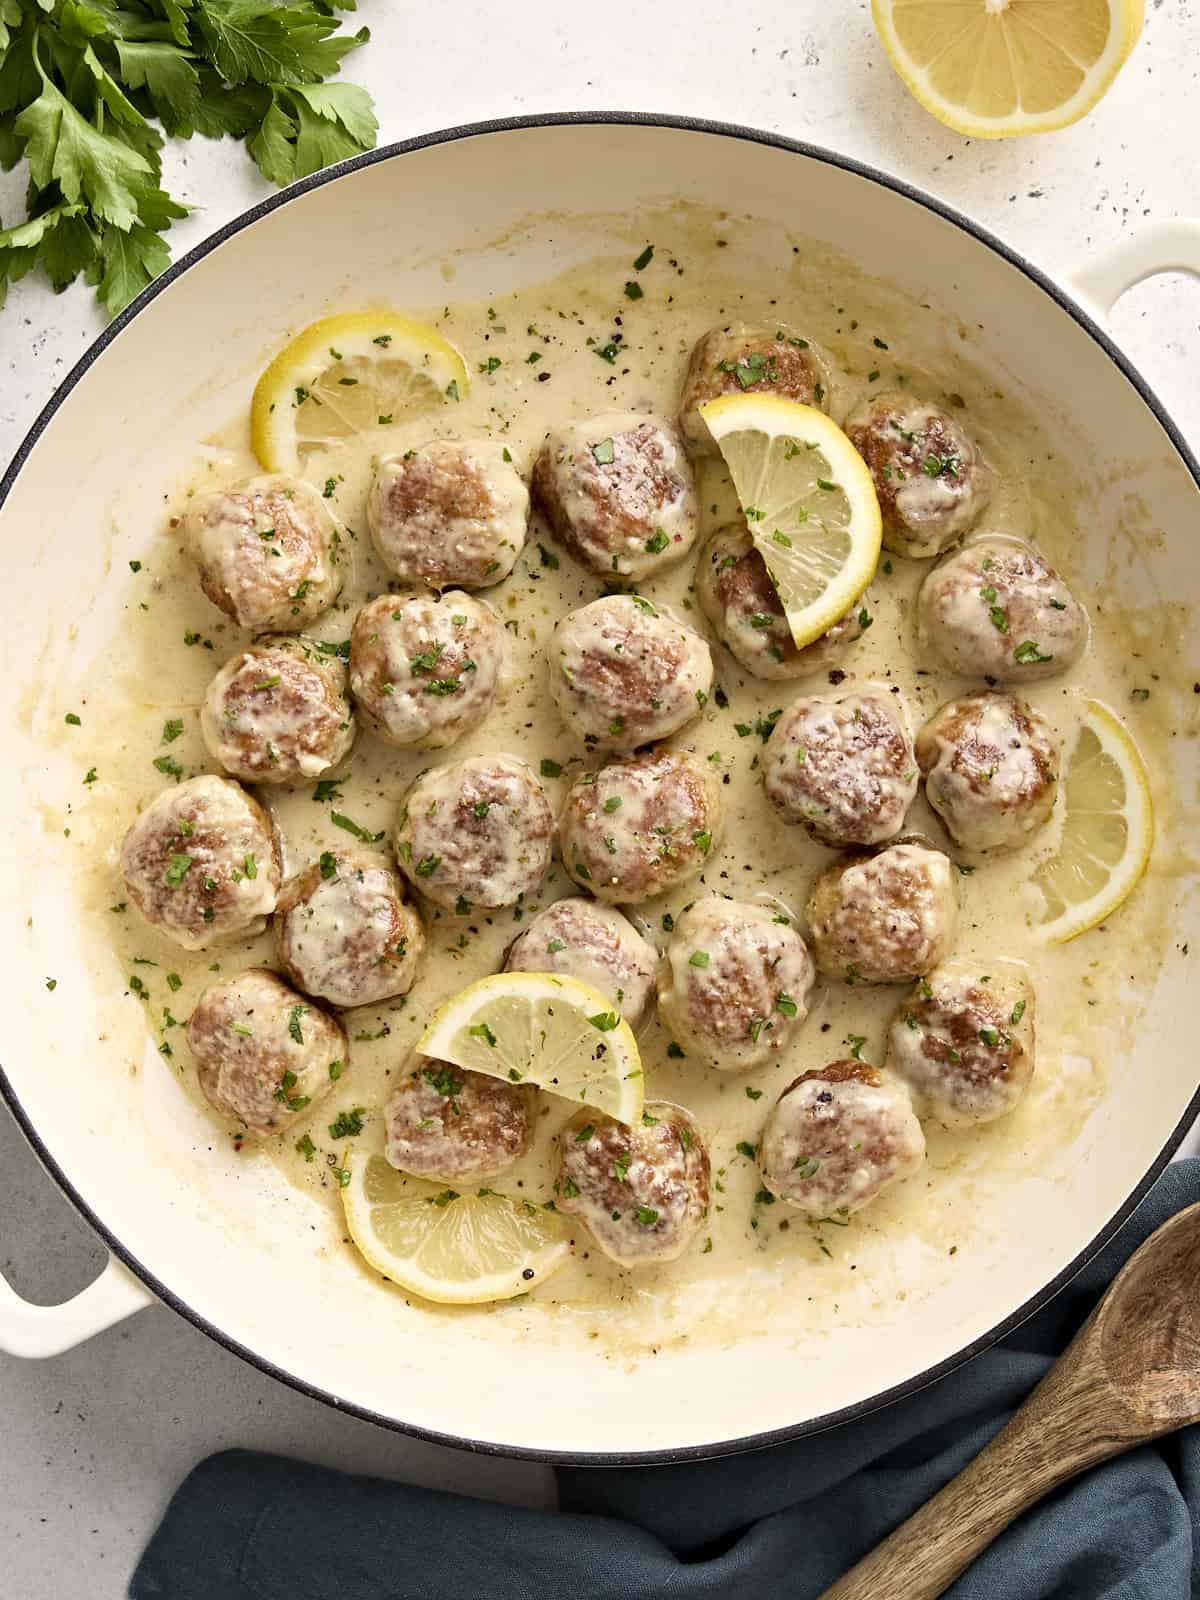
(87, 85)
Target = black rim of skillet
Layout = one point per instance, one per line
(728, 130)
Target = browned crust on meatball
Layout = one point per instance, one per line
(845, 1071)
(454, 1126)
(857, 778)
(385, 956)
(952, 743)
(723, 362)
(292, 533)
(951, 1037)
(660, 1166)
(626, 497)
(207, 891)
(668, 846)
(310, 696)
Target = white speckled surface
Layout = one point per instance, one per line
(96, 1440)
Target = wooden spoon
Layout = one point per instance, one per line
(1131, 1373)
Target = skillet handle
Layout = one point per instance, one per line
(1172, 246)
(35, 1331)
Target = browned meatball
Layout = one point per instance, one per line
(424, 671)
(624, 672)
(202, 863)
(279, 712)
(963, 1040)
(619, 492)
(772, 359)
(735, 985)
(931, 484)
(595, 944)
(737, 596)
(998, 610)
(641, 825)
(264, 1052)
(884, 918)
(844, 769)
(454, 512)
(267, 551)
(991, 769)
(477, 832)
(642, 1191)
(836, 1138)
(455, 1126)
(344, 932)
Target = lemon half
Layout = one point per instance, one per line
(346, 375)
(459, 1249)
(808, 500)
(1108, 830)
(992, 69)
(540, 1028)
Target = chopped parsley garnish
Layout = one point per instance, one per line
(855, 1042)
(644, 260)
(753, 1094)
(328, 864)
(698, 958)
(348, 1124)
(806, 1166)
(603, 453)
(480, 1030)
(427, 866)
(294, 1028)
(1027, 653)
(306, 1147)
(72, 720)
(585, 1133)
(646, 1215)
(658, 542)
(548, 558)
(745, 1148)
(174, 982)
(605, 1021)
(177, 870)
(550, 769)
(786, 1006)
(1018, 1011)
(340, 820)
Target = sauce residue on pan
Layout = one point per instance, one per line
(567, 348)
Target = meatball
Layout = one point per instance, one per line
(736, 983)
(279, 712)
(619, 492)
(595, 944)
(344, 932)
(737, 596)
(991, 769)
(624, 672)
(263, 1052)
(884, 918)
(837, 1137)
(455, 1126)
(642, 1191)
(453, 512)
(737, 358)
(998, 610)
(931, 484)
(845, 769)
(202, 863)
(641, 825)
(425, 670)
(267, 552)
(964, 1041)
(475, 833)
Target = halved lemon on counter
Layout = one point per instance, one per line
(459, 1249)
(993, 69)
(346, 375)
(536, 1027)
(808, 500)
(1107, 834)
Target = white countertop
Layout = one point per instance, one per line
(95, 1441)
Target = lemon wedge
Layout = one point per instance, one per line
(1108, 830)
(346, 375)
(808, 501)
(992, 69)
(459, 1249)
(536, 1027)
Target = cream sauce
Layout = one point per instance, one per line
(160, 663)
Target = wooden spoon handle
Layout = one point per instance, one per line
(1068, 1423)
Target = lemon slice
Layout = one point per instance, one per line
(1108, 830)
(460, 1249)
(535, 1027)
(808, 501)
(346, 375)
(992, 69)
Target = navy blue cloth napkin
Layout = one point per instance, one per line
(781, 1523)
